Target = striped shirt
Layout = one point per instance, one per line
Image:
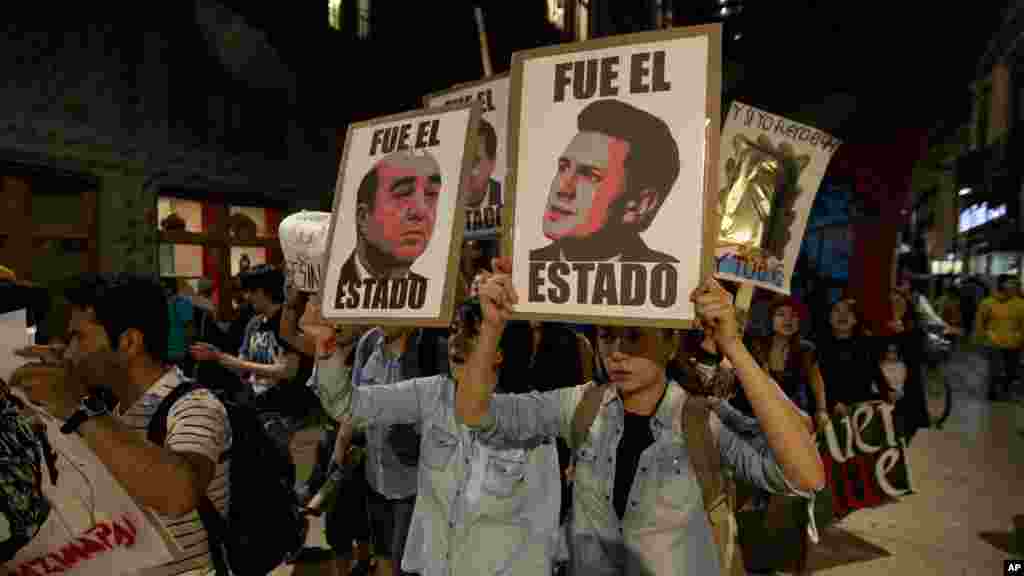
(196, 424)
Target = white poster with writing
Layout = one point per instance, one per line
(396, 230)
(94, 527)
(304, 246)
(606, 175)
(484, 199)
(770, 169)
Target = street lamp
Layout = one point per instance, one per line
(965, 191)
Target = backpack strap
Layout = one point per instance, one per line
(586, 411)
(213, 522)
(718, 495)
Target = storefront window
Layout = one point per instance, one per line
(242, 215)
(256, 255)
(171, 212)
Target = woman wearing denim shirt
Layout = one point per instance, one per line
(480, 509)
(660, 526)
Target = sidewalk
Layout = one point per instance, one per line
(968, 482)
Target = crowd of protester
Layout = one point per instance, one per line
(496, 446)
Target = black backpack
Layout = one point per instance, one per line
(264, 528)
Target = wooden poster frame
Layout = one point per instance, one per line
(458, 223)
(713, 70)
(506, 208)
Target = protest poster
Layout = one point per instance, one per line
(483, 201)
(606, 176)
(769, 172)
(304, 246)
(94, 528)
(396, 230)
(865, 458)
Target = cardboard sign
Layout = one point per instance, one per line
(769, 172)
(304, 244)
(396, 230)
(484, 199)
(94, 527)
(606, 176)
(865, 459)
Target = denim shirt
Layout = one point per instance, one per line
(384, 471)
(664, 530)
(479, 509)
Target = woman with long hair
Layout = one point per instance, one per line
(846, 359)
(789, 359)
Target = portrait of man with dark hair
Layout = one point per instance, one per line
(610, 182)
(396, 208)
(481, 185)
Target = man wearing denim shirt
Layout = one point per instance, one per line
(385, 356)
(638, 504)
(480, 509)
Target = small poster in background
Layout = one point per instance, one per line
(396, 228)
(769, 172)
(304, 244)
(484, 199)
(606, 176)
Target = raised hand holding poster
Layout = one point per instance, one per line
(483, 202)
(396, 230)
(769, 172)
(606, 152)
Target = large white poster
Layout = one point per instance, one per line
(94, 527)
(396, 230)
(770, 169)
(607, 175)
(484, 198)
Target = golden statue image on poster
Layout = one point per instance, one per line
(756, 205)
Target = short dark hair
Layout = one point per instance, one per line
(1005, 279)
(367, 191)
(653, 161)
(486, 131)
(126, 301)
(266, 278)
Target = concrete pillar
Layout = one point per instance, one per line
(127, 224)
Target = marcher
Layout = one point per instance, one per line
(118, 347)
(480, 509)
(619, 524)
(1001, 323)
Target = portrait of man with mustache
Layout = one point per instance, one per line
(396, 208)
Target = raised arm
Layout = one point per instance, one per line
(497, 296)
(792, 446)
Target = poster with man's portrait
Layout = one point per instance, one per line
(396, 230)
(769, 172)
(606, 176)
(484, 199)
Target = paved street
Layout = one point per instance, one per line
(967, 478)
(968, 481)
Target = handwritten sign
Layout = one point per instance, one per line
(484, 200)
(304, 245)
(396, 233)
(865, 460)
(94, 528)
(769, 173)
(606, 176)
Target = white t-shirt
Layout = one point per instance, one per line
(196, 424)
